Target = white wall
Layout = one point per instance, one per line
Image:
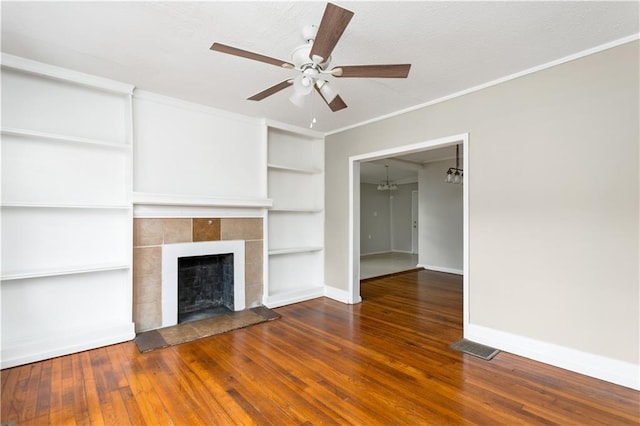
(440, 229)
(401, 225)
(553, 247)
(188, 149)
(375, 217)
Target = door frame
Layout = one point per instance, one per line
(354, 210)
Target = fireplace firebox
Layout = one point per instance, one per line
(205, 286)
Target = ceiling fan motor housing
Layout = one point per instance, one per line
(309, 33)
(300, 58)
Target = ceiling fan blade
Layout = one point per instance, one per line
(336, 104)
(334, 22)
(271, 90)
(372, 71)
(219, 47)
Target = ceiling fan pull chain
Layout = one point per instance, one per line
(312, 118)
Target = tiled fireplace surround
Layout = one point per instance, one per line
(149, 235)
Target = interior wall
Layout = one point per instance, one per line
(553, 201)
(401, 225)
(188, 149)
(385, 219)
(375, 220)
(440, 207)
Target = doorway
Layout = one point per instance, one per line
(354, 209)
(386, 187)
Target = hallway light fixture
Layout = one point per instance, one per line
(455, 174)
(386, 185)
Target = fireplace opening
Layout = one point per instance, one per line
(205, 286)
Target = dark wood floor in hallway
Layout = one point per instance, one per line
(385, 361)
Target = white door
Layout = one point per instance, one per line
(414, 222)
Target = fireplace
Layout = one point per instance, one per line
(212, 275)
(205, 286)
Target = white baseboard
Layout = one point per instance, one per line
(374, 253)
(26, 351)
(441, 269)
(608, 369)
(340, 295)
(295, 296)
(386, 252)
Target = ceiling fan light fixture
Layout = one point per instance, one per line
(327, 91)
(313, 58)
(303, 84)
(297, 99)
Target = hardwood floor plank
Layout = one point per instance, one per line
(384, 361)
(43, 406)
(249, 382)
(167, 385)
(219, 404)
(90, 390)
(291, 386)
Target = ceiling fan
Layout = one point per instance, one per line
(312, 60)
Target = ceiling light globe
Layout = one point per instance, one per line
(449, 177)
(297, 99)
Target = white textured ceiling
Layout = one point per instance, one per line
(164, 47)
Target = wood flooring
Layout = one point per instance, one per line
(385, 361)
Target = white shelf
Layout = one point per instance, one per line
(64, 206)
(195, 200)
(57, 272)
(64, 138)
(294, 169)
(294, 210)
(276, 252)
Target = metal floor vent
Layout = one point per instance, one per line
(475, 349)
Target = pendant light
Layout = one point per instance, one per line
(455, 174)
(386, 185)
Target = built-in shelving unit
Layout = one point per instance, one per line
(295, 175)
(66, 211)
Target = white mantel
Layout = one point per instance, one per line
(179, 205)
